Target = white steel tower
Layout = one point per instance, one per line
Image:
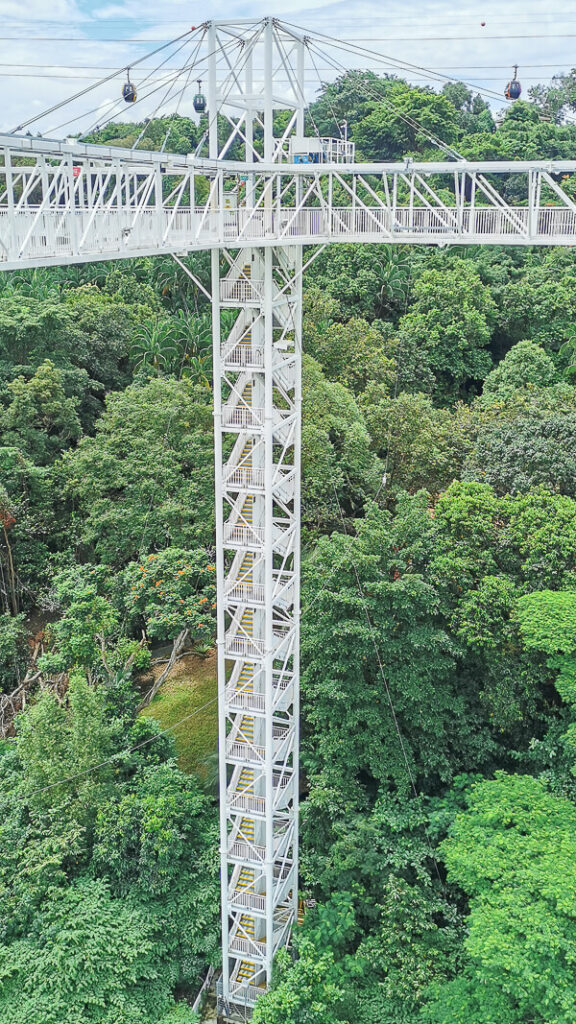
(257, 402)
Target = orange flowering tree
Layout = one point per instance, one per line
(172, 591)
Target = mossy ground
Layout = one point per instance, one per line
(190, 686)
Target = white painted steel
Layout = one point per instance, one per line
(63, 203)
(258, 535)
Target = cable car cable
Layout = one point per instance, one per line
(223, 46)
(65, 102)
(118, 104)
(165, 99)
(149, 78)
(391, 61)
(119, 754)
(107, 119)
(560, 68)
(404, 65)
(108, 78)
(336, 121)
(407, 118)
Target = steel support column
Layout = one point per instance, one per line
(257, 424)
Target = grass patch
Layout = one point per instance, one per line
(190, 686)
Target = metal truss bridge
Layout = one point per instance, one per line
(65, 202)
(69, 203)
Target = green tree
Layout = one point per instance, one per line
(524, 365)
(375, 640)
(154, 347)
(155, 841)
(339, 471)
(303, 994)
(90, 958)
(547, 622)
(365, 280)
(512, 852)
(349, 97)
(541, 303)
(171, 591)
(533, 449)
(40, 418)
(47, 824)
(145, 480)
(31, 516)
(353, 354)
(32, 330)
(13, 650)
(404, 123)
(87, 627)
(421, 445)
(449, 326)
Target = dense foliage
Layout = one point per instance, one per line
(439, 625)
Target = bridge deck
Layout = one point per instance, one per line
(36, 237)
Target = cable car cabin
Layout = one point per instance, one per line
(129, 92)
(513, 90)
(199, 101)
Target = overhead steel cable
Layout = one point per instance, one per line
(480, 37)
(167, 95)
(108, 78)
(433, 67)
(120, 104)
(392, 62)
(345, 70)
(385, 59)
(297, 86)
(337, 124)
(318, 16)
(407, 118)
(174, 74)
(33, 76)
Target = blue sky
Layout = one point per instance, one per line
(50, 51)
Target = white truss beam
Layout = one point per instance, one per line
(69, 203)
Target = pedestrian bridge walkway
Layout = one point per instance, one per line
(64, 202)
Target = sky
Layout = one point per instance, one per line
(50, 51)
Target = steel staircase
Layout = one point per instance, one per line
(257, 592)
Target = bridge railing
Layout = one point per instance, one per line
(45, 236)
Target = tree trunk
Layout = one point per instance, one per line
(176, 650)
(11, 574)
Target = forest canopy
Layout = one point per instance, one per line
(439, 614)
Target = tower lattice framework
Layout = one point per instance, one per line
(257, 408)
(257, 422)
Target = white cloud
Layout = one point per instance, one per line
(60, 11)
